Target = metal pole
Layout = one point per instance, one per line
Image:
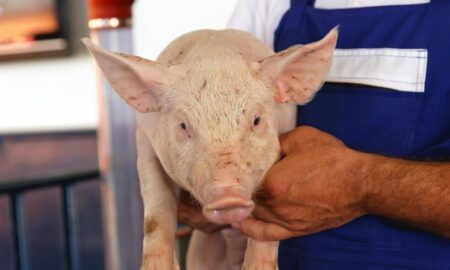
(110, 25)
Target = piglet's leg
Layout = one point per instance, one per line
(206, 251)
(159, 196)
(261, 255)
(223, 250)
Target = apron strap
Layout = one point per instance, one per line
(295, 3)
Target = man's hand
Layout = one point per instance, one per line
(190, 213)
(319, 184)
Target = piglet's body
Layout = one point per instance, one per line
(210, 110)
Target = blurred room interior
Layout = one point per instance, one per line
(58, 209)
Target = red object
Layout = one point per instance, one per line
(103, 9)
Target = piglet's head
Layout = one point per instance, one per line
(208, 105)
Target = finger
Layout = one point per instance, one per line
(291, 140)
(268, 216)
(261, 213)
(262, 231)
(288, 143)
(183, 232)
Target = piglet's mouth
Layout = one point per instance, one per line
(228, 210)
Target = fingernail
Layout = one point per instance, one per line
(236, 225)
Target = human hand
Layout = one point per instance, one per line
(319, 184)
(190, 213)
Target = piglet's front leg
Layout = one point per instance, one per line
(261, 255)
(159, 196)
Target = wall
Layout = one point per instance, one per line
(159, 22)
(50, 94)
(59, 94)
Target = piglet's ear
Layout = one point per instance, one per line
(297, 73)
(140, 82)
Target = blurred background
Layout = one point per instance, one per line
(69, 194)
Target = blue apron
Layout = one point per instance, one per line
(387, 122)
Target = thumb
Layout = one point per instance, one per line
(262, 231)
(288, 142)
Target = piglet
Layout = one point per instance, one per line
(209, 112)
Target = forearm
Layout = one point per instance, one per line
(417, 193)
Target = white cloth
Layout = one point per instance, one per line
(259, 17)
(340, 4)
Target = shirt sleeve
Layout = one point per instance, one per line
(259, 17)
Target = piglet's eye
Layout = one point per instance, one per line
(257, 121)
(183, 126)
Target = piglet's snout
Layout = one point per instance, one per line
(226, 204)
